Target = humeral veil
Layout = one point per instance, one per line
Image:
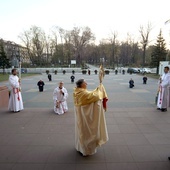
(90, 130)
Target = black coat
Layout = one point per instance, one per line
(41, 84)
(72, 78)
(131, 83)
(49, 77)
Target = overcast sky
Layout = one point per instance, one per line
(102, 16)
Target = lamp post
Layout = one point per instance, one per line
(20, 70)
(13, 56)
(19, 61)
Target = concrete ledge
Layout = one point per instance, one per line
(4, 96)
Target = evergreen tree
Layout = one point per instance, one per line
(4, 61)
(159, 52)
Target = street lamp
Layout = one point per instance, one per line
(18, 55)
(20, 70)
(20, 62)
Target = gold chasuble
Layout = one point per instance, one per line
(90, 128)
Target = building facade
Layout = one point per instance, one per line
(15, 53)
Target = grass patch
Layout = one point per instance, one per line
(5, 77)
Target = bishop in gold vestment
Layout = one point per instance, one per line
(90, 125)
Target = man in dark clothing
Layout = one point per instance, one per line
(144, 79)
(123, 71)
(72, 78)
(131, 83)
(49, 77)
(41, 84)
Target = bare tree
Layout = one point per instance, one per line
(145, 40)
(38, 43)
(131, 50)
(47, 50)
(61, 34)
(80, 37)
(68, 47)
(104, 52)
(34, 40)
(25, 37)
(57, 45)
(54, 45)
(114, 55)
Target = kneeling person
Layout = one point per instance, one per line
(40, 85)
(60, 96)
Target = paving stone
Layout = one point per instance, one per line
(37, 138)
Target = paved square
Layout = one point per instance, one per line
(38, 139)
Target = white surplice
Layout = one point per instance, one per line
(15, 100)
(163, 91)
(62, 107)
